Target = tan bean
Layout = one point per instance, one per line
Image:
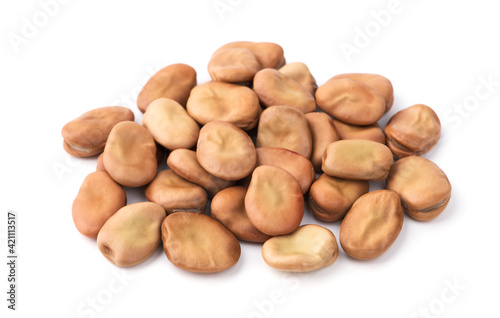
(413, 131)
(228, 206)
(351, 101)
(130, 155)
(323, 133)
(308, 248)
(276, 88)
(225, 102)
(285, 127)
(97, 200)
(132, 234)
(86, 135)
(297, 165)
(225, 151)
(372, 224)
(100, 163)
(268, 54)
(357, 159)
(199, 243)
(370, 132)
(174, 81)
(330, 198)
(170, 125)
(274, 201)
(300, 73)
(174, 193)
(233, 65)
(424, 188)
(184, 163)
(378, 82)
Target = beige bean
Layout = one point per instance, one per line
(97, 200)
(233, 65)
(228, 206)
(370, 132)
(300, 73)
(174, 81)
(357, 159)
(184, 163)
(199, 243)
(174, 193)
(323, 133)
(308, 248)
(274, 201)
(268, 54)
(130, 155)
(285, 127)
(424, 188)
(372, 224)
(413, 131)
(378, 82)
(86, 135)
(100, 163)
(225, 102)
(330, 198)
(276, 88)
(297, 165)
(225, 151)
(351, 101)
(170, 125)
(132, 234)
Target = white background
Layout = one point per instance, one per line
(90, 54)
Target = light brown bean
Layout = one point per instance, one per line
(300, 72)
(130, 155)
(424, 188)
(86, 135)
(199, 243)
(323, 133)
(371, 132)
(372, 224)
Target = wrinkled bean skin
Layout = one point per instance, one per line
(308, 248)
(357, 159)
(170, 125)
(132, 234)
(351, 101)
(276, 88)
(130, 155)
(174, 81)
(413, 131)
(225, 102)
(371, 132)
(323, 133)
(97, 200)
(330, 198)
(226, 151)
(424, 188)
(174, 193)
(184, 163)
(199, 243)
(86, 135)
(285, 127)
(274, 201)
(378, 82)
(228, 206)
(300, 73)
(372, 224)
(233, 65)
(269, 55)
